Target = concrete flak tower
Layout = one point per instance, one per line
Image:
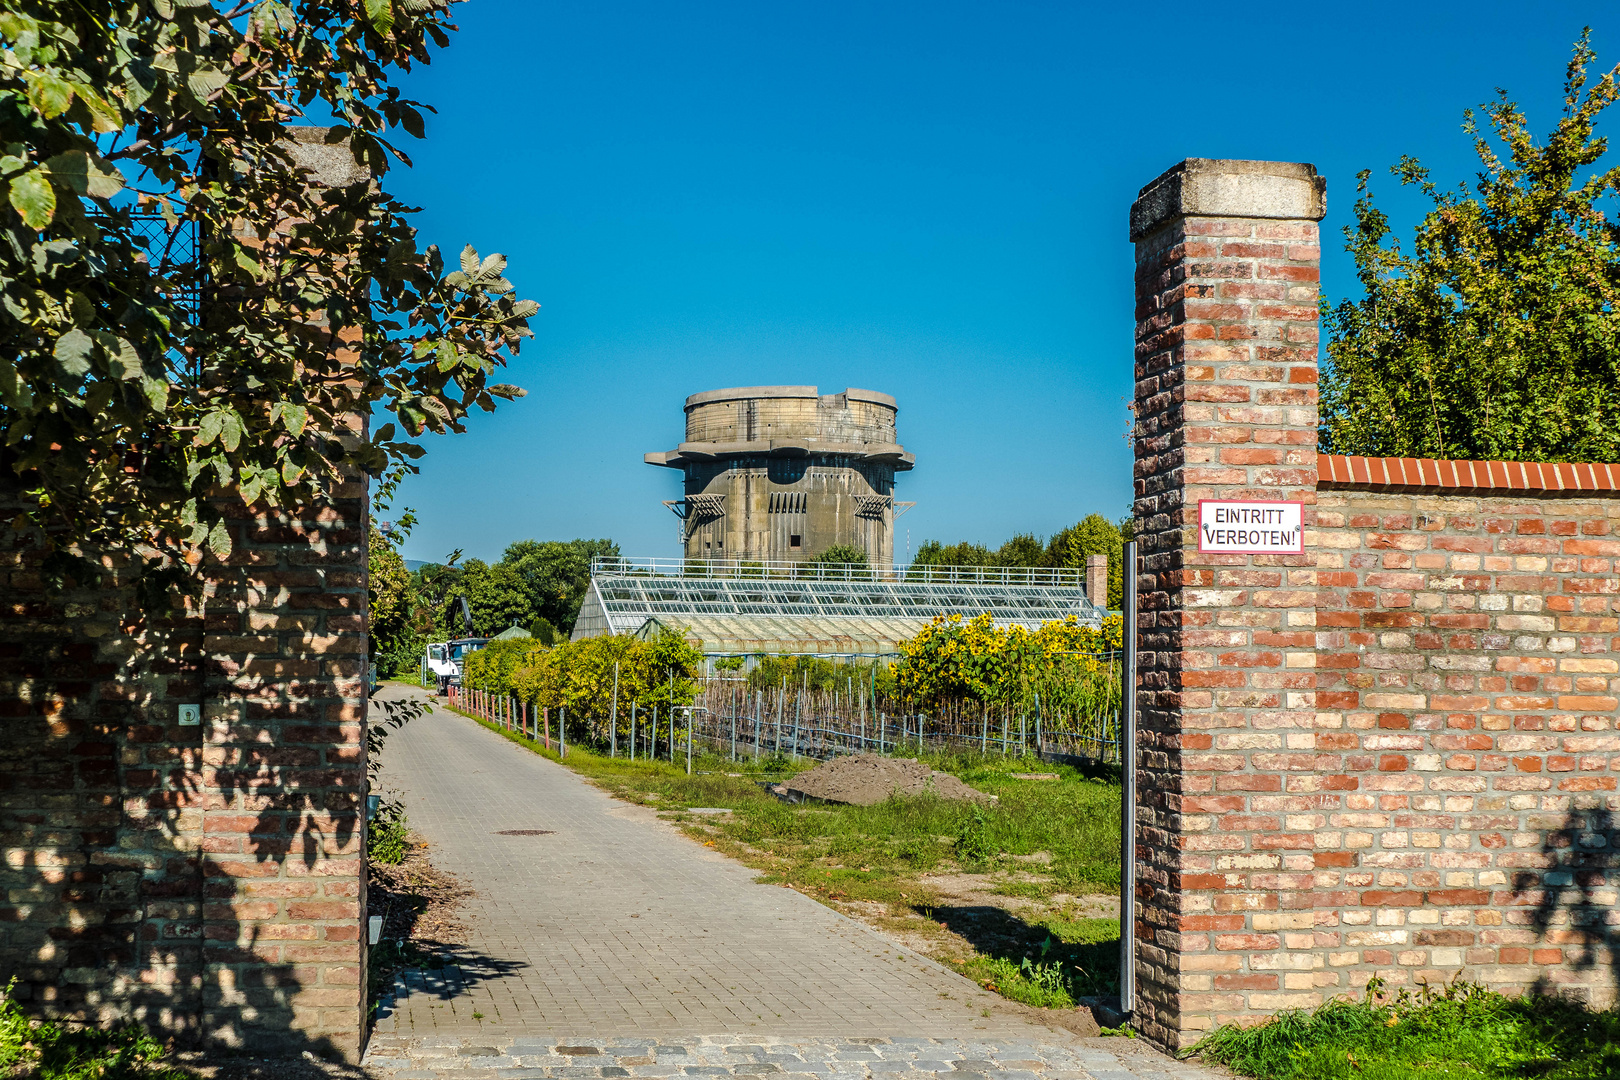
(784, 473)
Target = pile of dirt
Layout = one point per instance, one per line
(867, 779)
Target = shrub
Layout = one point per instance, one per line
(974, 843)
(387, 839)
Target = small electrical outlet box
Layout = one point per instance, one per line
(190, 715)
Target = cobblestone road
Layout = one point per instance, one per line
(609, 931)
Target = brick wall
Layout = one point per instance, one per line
(1466, 695)
(1395, 754)
(1226, 278)
(204, 880)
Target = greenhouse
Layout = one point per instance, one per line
(759, 607)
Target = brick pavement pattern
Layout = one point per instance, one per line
(610, 929)
(804, 1059)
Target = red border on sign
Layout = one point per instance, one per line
(1261, 502)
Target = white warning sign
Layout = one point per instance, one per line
(1242, 527)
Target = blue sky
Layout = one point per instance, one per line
(924, 199)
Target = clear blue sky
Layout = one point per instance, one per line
(923, 199)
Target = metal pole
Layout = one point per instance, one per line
(688, 742)
(633, 731)
(1127, 830)
(613, 723)
(734, 723)
(670, 672)
(781, 697)
(562, 731)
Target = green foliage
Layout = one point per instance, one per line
(1451, 1032)
(534, 582)
(544, 632)
(52, 1051)
(579, 675)
(1043, 985)
(934, 553)
(1063, 664)
(192, 384)
(387, 837)
(821, 676)
(496, 596)
(388, 590)
(1498, 334)
(1094, 535)
(841, 555)
(974, 843)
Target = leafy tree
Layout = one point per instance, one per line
(841, 555)
(496, 595)
(1022, 550)
(555, 575)
(934, 553)
(132, 131)
(433, 588)
(1093, 535)
(1498, 334)
(388, 588)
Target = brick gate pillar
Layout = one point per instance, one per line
(1227, 258)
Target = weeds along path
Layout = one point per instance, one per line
(593, 918)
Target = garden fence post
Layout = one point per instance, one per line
(613, 723)
(633, 730)
(562, 731)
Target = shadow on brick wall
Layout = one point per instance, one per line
(209, 891)
(1574, 897)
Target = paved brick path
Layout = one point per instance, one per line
(611, 931)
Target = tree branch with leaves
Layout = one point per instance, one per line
(1497, 335)
(189, 319)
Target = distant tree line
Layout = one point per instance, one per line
(1093, 535)
(538, 585)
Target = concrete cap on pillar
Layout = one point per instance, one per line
(1204, 187)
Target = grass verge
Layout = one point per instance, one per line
(1047, 844)
(1460, 1031)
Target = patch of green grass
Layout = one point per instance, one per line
(52, 1051)
(1452, 1032)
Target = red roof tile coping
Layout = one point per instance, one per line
(1428, 475)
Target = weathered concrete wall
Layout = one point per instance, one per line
(783, 473)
